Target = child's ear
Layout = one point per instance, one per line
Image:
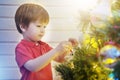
(22, 27)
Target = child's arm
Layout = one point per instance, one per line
(40, 62)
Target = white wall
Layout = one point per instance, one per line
(61, 27)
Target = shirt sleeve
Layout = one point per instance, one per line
(22, 55)
(48, 48)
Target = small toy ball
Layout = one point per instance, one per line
(110, 51)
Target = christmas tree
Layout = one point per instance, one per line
(87, 61)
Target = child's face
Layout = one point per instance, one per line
(34, 32)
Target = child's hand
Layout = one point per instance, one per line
(63, 49)
(73, 41)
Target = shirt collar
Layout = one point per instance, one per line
(32, 44)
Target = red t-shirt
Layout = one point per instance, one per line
(27, 50)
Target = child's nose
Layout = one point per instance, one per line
(42, 29)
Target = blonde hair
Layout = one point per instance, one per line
(29, 12)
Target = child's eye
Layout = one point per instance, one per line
(41, 26)
(38, 26)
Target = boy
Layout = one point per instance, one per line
(33, 56)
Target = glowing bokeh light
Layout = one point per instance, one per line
(83, 4)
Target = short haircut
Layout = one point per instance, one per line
(29, 12)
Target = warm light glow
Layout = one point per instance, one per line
(84, 4)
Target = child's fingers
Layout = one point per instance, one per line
(73, 41)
